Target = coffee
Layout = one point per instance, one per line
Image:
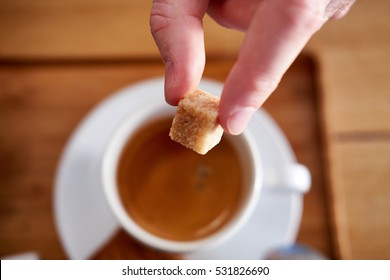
(173, 192)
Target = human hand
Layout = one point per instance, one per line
(276, 32)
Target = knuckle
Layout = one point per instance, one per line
(303, 15)
(160, 16)
(264, 88)
(266, 85)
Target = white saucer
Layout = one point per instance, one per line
(84, 220)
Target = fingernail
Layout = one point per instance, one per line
(239, 119)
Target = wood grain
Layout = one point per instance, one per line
(356, 100)
(90, 29)
(364, 191)
(363, 225)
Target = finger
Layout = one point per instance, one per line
(176, 26)
(235, 14)
(278, 32)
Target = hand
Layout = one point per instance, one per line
(276, 32)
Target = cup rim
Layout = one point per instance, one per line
(109, 162)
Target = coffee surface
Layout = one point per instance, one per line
(174, 192)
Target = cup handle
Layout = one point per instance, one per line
(293, 177)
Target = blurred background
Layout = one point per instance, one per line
(58, 59)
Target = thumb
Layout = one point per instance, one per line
(176, 26)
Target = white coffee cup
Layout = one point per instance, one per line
(292, 177)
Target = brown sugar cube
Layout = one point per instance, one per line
(195, 124)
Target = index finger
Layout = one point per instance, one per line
(278, 32)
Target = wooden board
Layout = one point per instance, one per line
(41, 104)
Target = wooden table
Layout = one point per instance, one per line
(58, 60)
